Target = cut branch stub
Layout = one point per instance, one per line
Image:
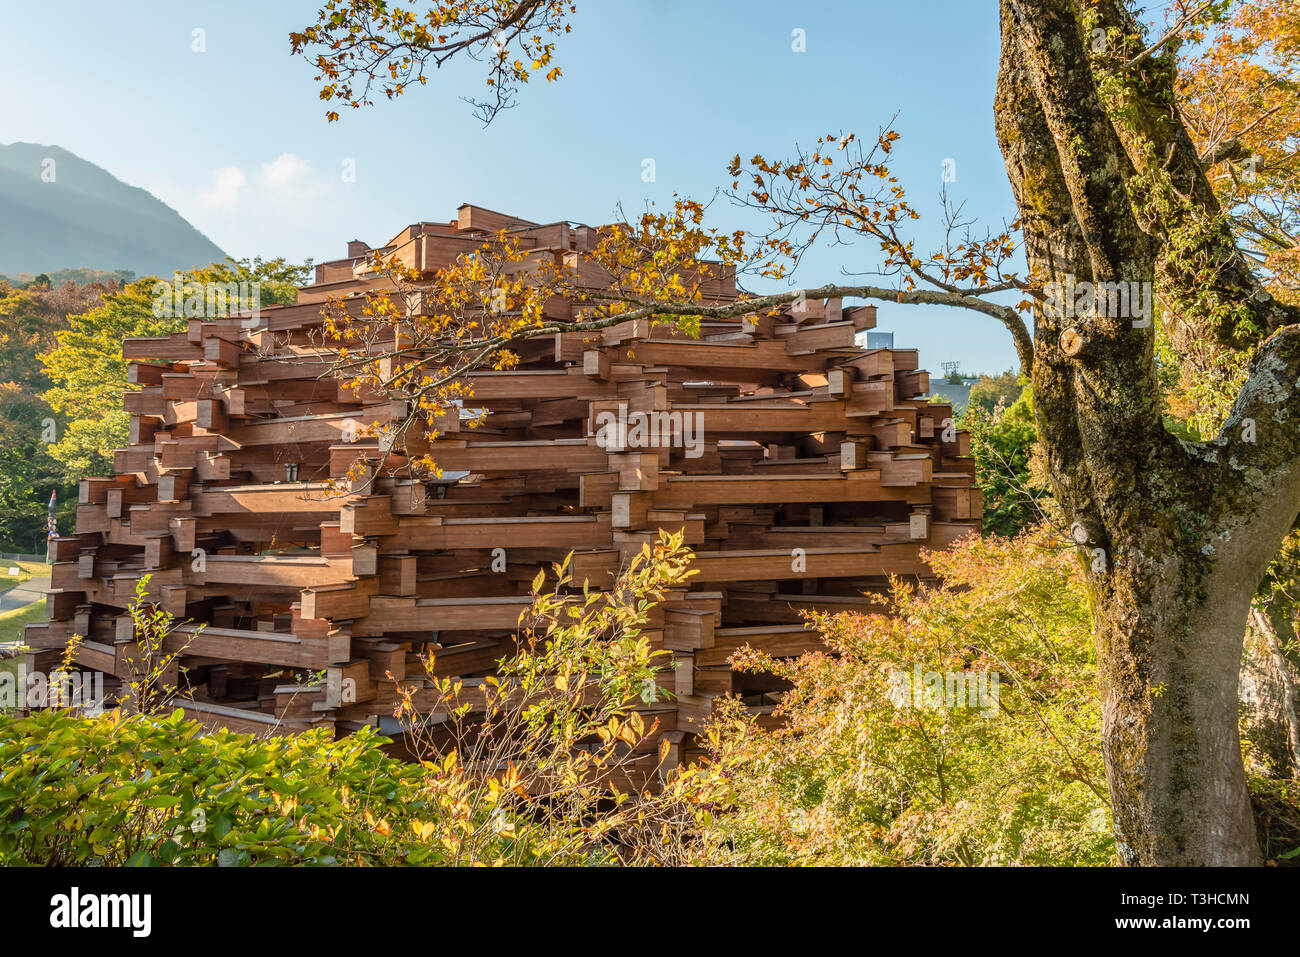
(1072, 342)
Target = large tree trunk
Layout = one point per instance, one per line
(1267, 691)
(1176, 536)
(1168, 657)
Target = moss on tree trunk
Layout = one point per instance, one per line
(1176, 536)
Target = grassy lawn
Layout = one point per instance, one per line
(11, 629)
(29, 570)
(13, 622)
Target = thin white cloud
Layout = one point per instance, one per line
(286, 181)
(281, 206)
(284, 170)
(227, 182)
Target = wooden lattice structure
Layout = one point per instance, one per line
(804, 470)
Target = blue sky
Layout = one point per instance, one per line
(235, 138)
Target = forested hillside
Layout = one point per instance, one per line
(62, 378)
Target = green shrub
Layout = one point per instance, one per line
(140, 790)
(1002, 443)
(861, 775)
(538, 765)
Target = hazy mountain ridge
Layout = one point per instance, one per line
(87, 218)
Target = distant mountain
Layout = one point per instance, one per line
(87, 218)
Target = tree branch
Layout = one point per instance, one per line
(1009, 317)
(1231, 149)
(1173, 31)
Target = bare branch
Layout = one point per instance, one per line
(1170, 34)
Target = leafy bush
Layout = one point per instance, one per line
(861, 775)
(546, 763)
(1002, 443)
(140, 789)
(549, 761)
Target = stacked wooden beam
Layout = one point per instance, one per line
(804, 470)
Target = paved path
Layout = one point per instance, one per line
(33, 589)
